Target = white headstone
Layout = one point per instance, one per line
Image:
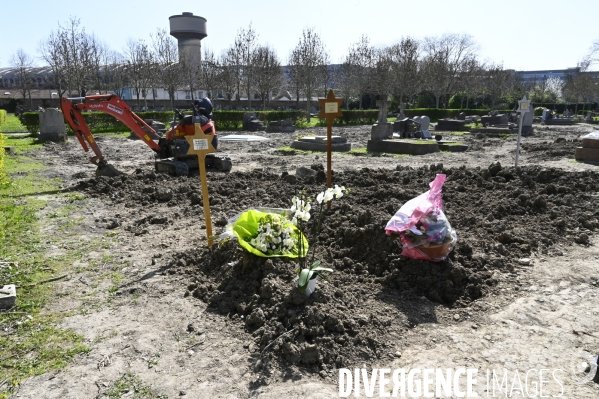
(51, 121)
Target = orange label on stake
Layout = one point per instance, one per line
(91, 140)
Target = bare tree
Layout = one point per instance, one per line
(267, 72)
(307, 61)
(496, 83)
(72, 55)
(116, 74)
(405, 59)
(23, 64)
(141, 67)
(209, 72)
(361, 61)
(344, 81)
(240, 57)
(227, 75)
(169, 74)
(446, 57)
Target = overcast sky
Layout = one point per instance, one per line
(524, 34)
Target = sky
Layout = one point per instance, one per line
(523, 35)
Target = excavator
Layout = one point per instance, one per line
(170, 151)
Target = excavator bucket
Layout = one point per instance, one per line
(107, 170)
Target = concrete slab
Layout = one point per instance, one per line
(587, 154)
(493, 130)
(452, 146)
(334, 139)
(241, 137)
(315, 146)
(8, 296)
(559, 121)
(55, 137)
(412, 147)
(9, 150)
(590, 143)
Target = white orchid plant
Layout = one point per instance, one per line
(300, 210)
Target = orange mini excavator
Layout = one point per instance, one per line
(171, 151)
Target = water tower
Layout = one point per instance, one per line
(189, 30)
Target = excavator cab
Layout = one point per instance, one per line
(181, 163)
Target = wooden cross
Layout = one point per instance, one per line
(330, 108)
(200, 144)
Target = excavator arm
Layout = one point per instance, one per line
(111, 104)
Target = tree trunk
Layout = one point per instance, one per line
(308, 116)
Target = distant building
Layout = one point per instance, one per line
(541, 76)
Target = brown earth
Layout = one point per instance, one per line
(220, 323)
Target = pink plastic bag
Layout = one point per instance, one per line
(422, 226)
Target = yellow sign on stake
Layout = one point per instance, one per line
(200, 144)
(330, 108)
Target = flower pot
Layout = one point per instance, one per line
(436, 251)
(311, 286)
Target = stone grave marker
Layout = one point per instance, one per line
(52, 125)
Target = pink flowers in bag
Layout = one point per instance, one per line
(422, 226)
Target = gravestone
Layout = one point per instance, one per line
(158, 127)
(401, 115)
(406, 127)
(382, 104)
(589, 116)
(425, 122)
(8, 296)
(282, 126)
(320, 143)
(494, 118)
(52, 127)
(451, 125)
(527, 120)
(462, 116)
(382, 130)
(252, 123)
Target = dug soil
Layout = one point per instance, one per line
(229, 324)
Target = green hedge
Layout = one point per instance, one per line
(233, 120)
(31, 120)
(2, 116)
(3, 179)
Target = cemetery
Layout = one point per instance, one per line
(394, 237)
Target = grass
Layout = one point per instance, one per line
(12, 124)
(131, 386)
(30, 343)
(287, 150)
(22, 145)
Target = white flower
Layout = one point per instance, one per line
(320, 197)
(328, 195)
(338, 191)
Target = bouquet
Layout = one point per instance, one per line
(275, 235)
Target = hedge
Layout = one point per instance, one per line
(3, 178)
(31, 120)
(232, 120)
(2, 116)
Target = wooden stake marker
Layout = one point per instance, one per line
(200, 144)
(330, 108)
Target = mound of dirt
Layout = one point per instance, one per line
(500, 215)
(549, 151)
